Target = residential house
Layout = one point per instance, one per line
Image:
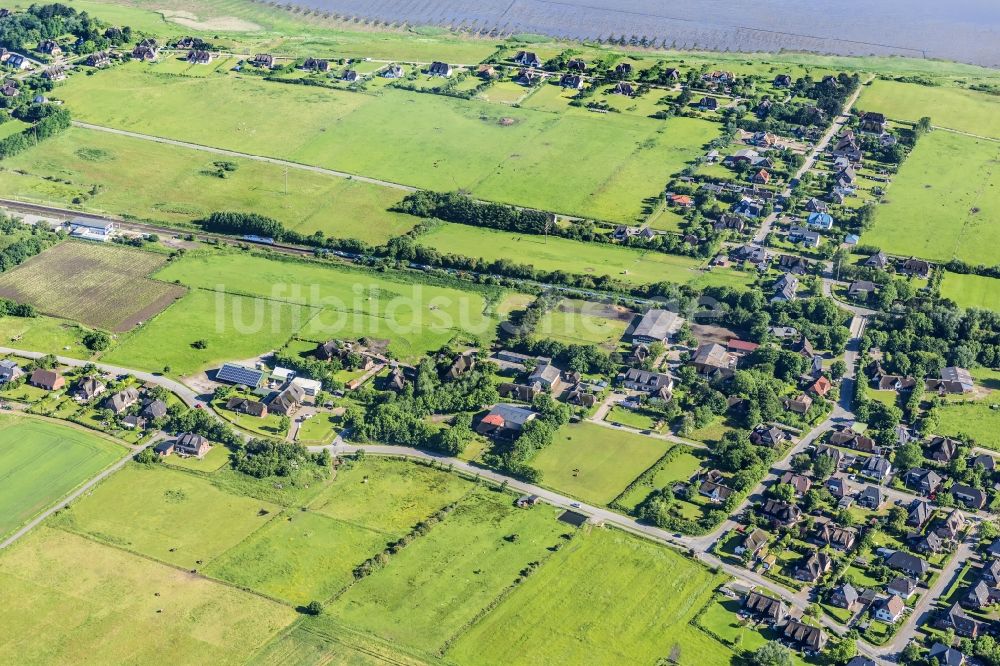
(288, 401)
(439, 69)
(861, 289)
(943, 449)
(350, 76)
(146, 50)
(845, 596)
(836, 536)
(134, 422)
(799, 482)
(915, 267)
(762, 177)
(956, 618)
(925, 481)
(623, 88)
(9, 370)
(804, 348)
(871, 498)
(839, 459)
(741, 347)
(753, 544)
(814, 205)
(708, 103)
(657, 326)
(782, 81)
(984, 460)
(902, 587)
(576, 65)
(793, 264)
(623, 70)
(973, 498)
(505, 421)
(991, 572)
(713, 358)
(164, 449)
(190, 444)
(890, 610)
(578, 396)
(815, 566)
(908, 564)
(310, 387)
(122, 400)
(89, 388)
(928, 543)
(821, 387)
(49, 46)
(878, 260)
(802, 235)
(799, 404)
(820, 221)
(861, 661)
(393, 71)
(571, 81)
(199, 57)
(810, 637)
(527, 59)
(716, 492)
(648, 382)
(781, 514)
(316, 65)
(263, 60)
(465, 362)
(837, 487)
(246, 406)
(785, 288)
(769, 608)
(873, 122)
(749, 207)
(946, 655)
(519, 392)
(526, 77)
(546, 375)
(920, 513)
(99, 59)
(768, 435)
(954, 380)
(50, 380)
(952, 526)
(981, 595)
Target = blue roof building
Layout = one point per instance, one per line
(820, 220)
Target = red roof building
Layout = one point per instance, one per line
(821, 387)
(741, 346)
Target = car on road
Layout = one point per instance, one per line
(575, 505)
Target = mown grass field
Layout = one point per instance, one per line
(579, 322)
(311, 642)
(299, 557)
(619, 160)
(972, 291)
(101, 285)
(679, 469)
(563, 254)
(944, 201)
(434, 587)
(579, 613)
(976, 420)
(41, 461)
(233, 327)
(596, 463)
(187, 186)
(947, 106)
(45, 334)
(416, 317)
(169, 515)
(388, 496)
(70, 600)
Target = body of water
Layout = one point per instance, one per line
(961, 30)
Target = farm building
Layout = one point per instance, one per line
(657, 326)
(90, 228)
(231, 373)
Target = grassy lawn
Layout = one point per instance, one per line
(320, 429)
(45, 334)
(41, 461)
(268, 426)
(298, 557)
(596, 463)
(630, 417)
(435, 586)
(680, 467)
(417, 317)
(553, 254)
(972, 419)
(187, 187)
(580, 614)
(943, 202)
(312, 642)
(620, 159)
(972, 291)
(101, 285)
(720, 618)
(388, 496)
(577, 322)
(947, 106)
(69, 600)
(233, 327)
(166, 514)
(213, 461)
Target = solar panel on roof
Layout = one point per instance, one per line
(237, 374)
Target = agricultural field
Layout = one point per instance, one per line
(104, 286)
(232, 327)
(972, 291)
(45, 334)
(947, 106)
(972, 420)
(596, 463)
(68, 599)
(388, 496)
(414, 316)
(553, 254)
(943, 202)
(436, 586)
(189, 185)
(311, 642)
(41, 461)
(169, 515)
(579, 614)
(496, 151)
(583, 322)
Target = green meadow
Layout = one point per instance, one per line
(943, 203)
(578, 613)
(496, 151)
(41, 461)
(188, 186)
(946, 106)
(596, 463)
(972, 291)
